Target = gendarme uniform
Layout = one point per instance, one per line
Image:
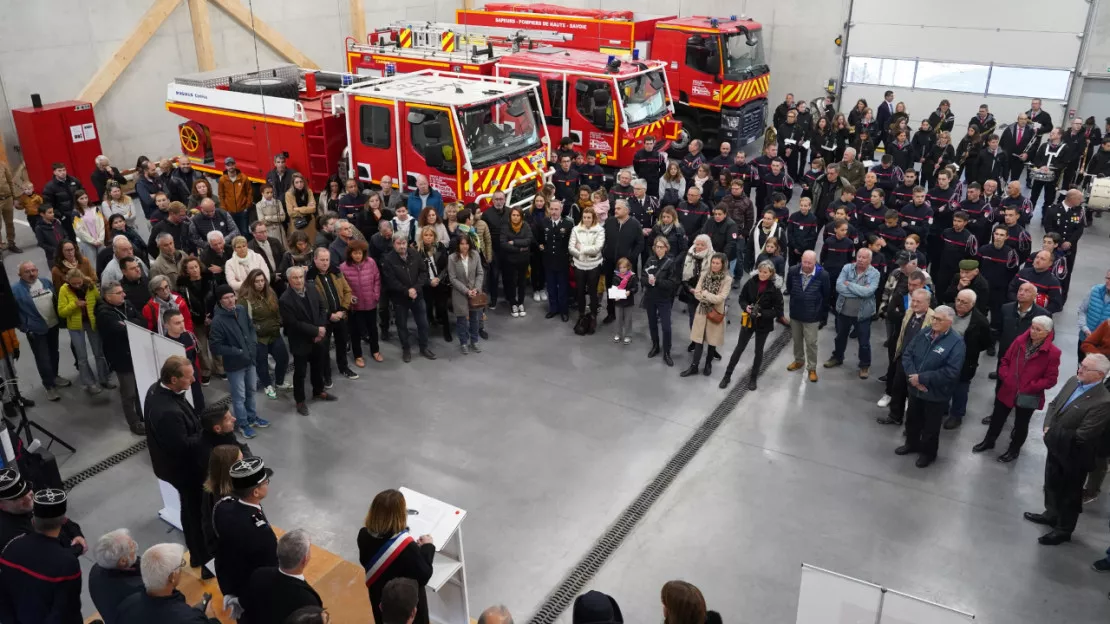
(244, 539)
(12, 525)
(40, 579)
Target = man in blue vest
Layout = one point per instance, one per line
(1093, 310)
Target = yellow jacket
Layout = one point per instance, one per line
(68, 310)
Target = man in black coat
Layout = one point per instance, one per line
(650, 165)
(305, 320)
(104, 173)
(59, 192)
(1016, 317)
(722, 231)
(554, 239)
(624, 238)
(1049, 292)
(112, 313)
(971, 323)
(173, 439)
(42, 578)
(969, 278)
(16, 507)
(275, 592)
(245, 541)
(271, 250)
(403, 279)
(497, 219)
(176, 224)
(161, 602)
(116, 575)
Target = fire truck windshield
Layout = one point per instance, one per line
(644, 100)
(743, 61)
(500, 130)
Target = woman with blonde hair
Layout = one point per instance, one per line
(115, 201)
(672, 186)
(217, 485)
(387, 551)
(76, 301)
(708, 328)
(437, 292)
(243, 260)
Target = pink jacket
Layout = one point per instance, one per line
(365, 282)
(1033, 376)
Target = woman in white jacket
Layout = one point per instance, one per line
(242, 262)
(586, 242)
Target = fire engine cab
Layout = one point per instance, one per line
(605, 104)
(715, 66)
(469, 135)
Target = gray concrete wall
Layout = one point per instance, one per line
(53, 47)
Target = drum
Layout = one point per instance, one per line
(1099, 197)
(1040, 175)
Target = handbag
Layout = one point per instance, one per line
(715, 317)
(300, 222)
(1027, 401)
(478, 301)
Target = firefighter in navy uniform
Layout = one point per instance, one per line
(978, 212)
(993, 163)
(888, 174)
(1066, 219)
(245, 541)
(650, 165)
(957, 244)
(1049, 293)
(761, 166)
(590, 173)
(40, 578)
(944, 197)
(902, 193)
(566, 181)
(622, 189)
(16, 505)
(722, 161)
(998, 264)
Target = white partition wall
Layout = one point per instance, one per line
(828, 597)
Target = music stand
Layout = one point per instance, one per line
(25, 423)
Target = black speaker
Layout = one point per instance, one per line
(9, 313)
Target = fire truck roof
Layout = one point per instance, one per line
(724, 24)
(441, 88)
(575, 61)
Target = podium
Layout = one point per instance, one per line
(448, 599)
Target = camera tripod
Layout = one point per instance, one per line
(26, 425)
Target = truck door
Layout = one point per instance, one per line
(374, 153)
(700, 74)
(594, 116)
(432, 150)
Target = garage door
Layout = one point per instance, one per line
(996, 52)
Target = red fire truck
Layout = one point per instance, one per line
(470, 136)
(604, 104)
(715, 66)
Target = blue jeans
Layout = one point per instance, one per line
(243, 383)
(281, 362)
(77, 339)
(959, 400)
(659, 313)
(844, 325)
(558, 290)
(467, 326)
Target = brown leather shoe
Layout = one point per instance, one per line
(359, 362)
(795, 365)
(864, 373)
(378, 357)
(813, 376)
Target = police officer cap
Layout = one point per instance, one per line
(249, 472)
(12, 486)
(50, 503)
(969, 265)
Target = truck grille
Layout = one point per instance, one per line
(751, 124)
(525, 190)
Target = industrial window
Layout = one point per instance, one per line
(959, 77)
(373, 125)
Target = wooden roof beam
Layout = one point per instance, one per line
(238, 12)
(108, 73)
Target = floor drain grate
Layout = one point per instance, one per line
(573, 583)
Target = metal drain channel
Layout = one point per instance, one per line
(116, 458)
(568, 589)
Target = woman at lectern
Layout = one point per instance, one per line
(387, 551)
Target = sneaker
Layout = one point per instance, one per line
(617, 338)
(1102, 565)
(1088, 497)
(302, 409)
(833, 363)
(864, 372)
(884, 401)
(543, 295)
(261, 423)
(94, 390)
(627, 340)
(270, 392)
(285, 386)
(62, 382)
(108, 385)
(475, 348)
(12, 247)
(328, 384)
(52, 394)
(247, 432)
(463, 349)
(359, 362)
(522, 312)
(516, 311)
(350, 374)
(536, 297)
(204, 381)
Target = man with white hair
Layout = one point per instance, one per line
(162, 602)
(1073, 424)
(855, 306)
(424, 197)
(851, 169)
(214, 256)
(121, 248)
(104, 173)
(275, 592)
(973, 326)
(623, 188)
(932, 361)
(116, 574)
(305, 318)
(403, 281)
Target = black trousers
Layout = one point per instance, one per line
(998, 298)
(383, 315)
(899, 391)
(1069, 260)
(741, 344)
(609, 272)
(585, 284)
(537, 275)
(316, 361)
(1063, 490)
(515, 277)
(923, 420)
(1021, 424)
(1049, 189)
(892, 331)
(493, 273)
(436, 298)
(192, 509)
(361, 323)
(340, 333)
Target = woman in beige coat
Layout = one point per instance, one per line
(711, 292)
(300, 203)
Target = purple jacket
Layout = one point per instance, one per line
(365, 281)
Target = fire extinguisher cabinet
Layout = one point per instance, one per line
(64, 132)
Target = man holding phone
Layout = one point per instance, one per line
(161, 567)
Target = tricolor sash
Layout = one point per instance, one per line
(386, 555)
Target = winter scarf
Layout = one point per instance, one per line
(695, 263)
(712, 284)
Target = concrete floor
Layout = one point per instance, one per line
(545, 437)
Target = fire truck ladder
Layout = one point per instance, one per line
(448, 37)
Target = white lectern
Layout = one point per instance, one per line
(449, 602)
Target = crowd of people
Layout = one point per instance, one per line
(929, 239)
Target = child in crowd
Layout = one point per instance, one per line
(912, 245)
(30, 203)
(601, 205)
(627, 282)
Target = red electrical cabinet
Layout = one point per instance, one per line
(64, 132)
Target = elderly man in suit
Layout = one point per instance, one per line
(275, 593)
(1073, 424)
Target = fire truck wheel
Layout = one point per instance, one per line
(264, 85)
(679, 145)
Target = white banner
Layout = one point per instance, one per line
(230, 100)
